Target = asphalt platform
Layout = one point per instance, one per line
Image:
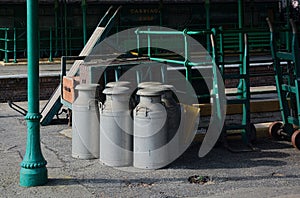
(270, 171)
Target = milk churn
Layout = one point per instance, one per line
(132, 101)
(85, 123)
(173, 110)
(173, 121)
(116, 128)
(143, 85)
(150, 131)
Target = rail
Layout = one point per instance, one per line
(53, 43)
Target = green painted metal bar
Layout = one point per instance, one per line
(190, 32)
(149, 44)
(221, 58)
(151, 32)
(288, 26)
(50, 45)
(246, 133)
(186, 49)
(33, 167)
(69, 41)
(241, 43)
(15, 45)
(252, 13)
(167, 60)
(56, 25)
(160, 12)
(66, 27)
(156, 32)
(297, 97)
(241, 23)
(117, 73)
(84, 26)
(138, 44)
(6, 46)
(184, 63)
(207, 13)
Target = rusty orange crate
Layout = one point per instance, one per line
(69, 83)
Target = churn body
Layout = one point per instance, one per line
(85, 123)
(150, 131)
(116, 128)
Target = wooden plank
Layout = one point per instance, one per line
(54, 104)
(256, 106)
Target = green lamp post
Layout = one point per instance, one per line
(33, 167)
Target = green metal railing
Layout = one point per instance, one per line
(10, 43)
(184, 34)
(53, 43)
(181, 45)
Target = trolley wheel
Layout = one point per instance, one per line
(274, 130)
(252, 135)
(296, 139)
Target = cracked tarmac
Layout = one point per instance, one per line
(271, 172)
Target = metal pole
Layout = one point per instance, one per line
(15, 45)
(288, 26)
(160, 12)
(6, 46)
(33, 167)
(252, 14)
(66, 30)
(241, 22)
(207, 11)
(84, 28)
(56, 26)
(241, 39)
(50, 45)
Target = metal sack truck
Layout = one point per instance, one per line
(287, 77)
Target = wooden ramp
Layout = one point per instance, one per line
(53, 105)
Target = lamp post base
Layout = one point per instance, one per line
(33, 177)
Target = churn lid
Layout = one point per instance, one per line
(150, 92)
(86, 86)
(117, 91)
(166, 88)
(118, 84)
(144, 85)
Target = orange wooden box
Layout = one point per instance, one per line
(69, 83)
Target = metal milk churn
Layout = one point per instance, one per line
(143, 85)
(150, 131)
(132, 101)
(173, 121)
(116, 128)
(173, 110)
(85, 123)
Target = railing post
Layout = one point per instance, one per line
(56, 26)
(207, 12)
(241, 40)
(15, 45)
(138, 42)
(149, 44)
(66, 29)
(84, 21)
(288, 26)
(50, 45)
(6, 46)
(33, 167)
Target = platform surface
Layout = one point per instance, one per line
(271, 172)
